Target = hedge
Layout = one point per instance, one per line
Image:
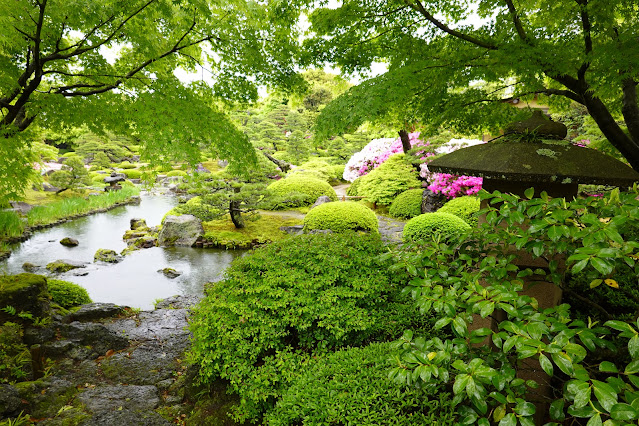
(466, 208)
(311, 187)
(429, 226)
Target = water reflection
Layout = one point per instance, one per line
(135, 281)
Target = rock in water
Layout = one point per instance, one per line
(69, 242)
(65, 265)
(137, 223)
(181, 231)
(106, 255)
(170, 272)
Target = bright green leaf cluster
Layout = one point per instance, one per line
(341, 216)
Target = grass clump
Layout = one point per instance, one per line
(289, 302)
(43, 215)
(11, 225)
(266, 229)
(67, 294)
(341, 216)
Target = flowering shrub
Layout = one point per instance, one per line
(377, 152)
(453, 186)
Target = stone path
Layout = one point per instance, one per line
(102, 381)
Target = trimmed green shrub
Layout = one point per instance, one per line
(353, 189)
(203, 211)
(407, 205)
(132, 173)
(429, 226)
(312, 188)
(384, 183)
(341, 216)
(466, 207)
(351, 386)
(67, 294)
(126, 165)
(176, 173)
(290, 301)
(319, 169)
(283, 202)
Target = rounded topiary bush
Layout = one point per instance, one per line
(311, 187)
(341, 216)
(67, 294)
(407, 205)
(353, 189)
(132, 173)
(429, 226)
(352, 386)
(466, 208)
(291, 301)
(384, 183)
(176, 173)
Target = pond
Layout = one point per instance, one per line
(135, 281)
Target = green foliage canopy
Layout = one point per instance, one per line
(445, 70)
(110, 65)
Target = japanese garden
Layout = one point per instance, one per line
(319, 212)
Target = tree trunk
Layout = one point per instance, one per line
(235, 212)
(403, 136)
(283, 165)
(611, 130)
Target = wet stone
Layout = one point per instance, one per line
(117, 397)
(127, 418)
(95, 311)
(10, 402)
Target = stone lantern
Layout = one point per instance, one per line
(532, 153)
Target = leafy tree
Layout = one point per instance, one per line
(446, 71)
(72, 175)
(110, 65)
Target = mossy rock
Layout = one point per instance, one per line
(407, 205)
(61, 266)
(429, 226)
(24, 293)
(341, 216)
(466, 208)
(106, 255)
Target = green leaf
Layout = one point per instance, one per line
(557, 410)
(632, 368)
(605, 394)
(546, 365)
(525, 409)
(461, 381)
(529, 193)
(582, 394)
(579, 266)
(595, 420)
(623, 412)
(442, 322)
(487, 309)
(563, 361)
(608, 367)
(595, 283)
(619, 325)
(509, 420)
(603, 266)
(633, 346)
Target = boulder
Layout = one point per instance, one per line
(21, 207)
(146, 241)
(10, 401)
(49, 188)
(29, 267)
(293, 230)
(65, 265)
(69, 242)
(321, 200)
(106, 255)
(170, 272)
(431, 202)
(182, 231)
(95, 311)
(138, 224)
(24, 293)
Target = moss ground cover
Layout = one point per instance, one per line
(266, 229)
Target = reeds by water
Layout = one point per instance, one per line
(11, 225)
(69, 207)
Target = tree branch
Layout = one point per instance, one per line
(629, 107)
(585, 24)
(517, 22)
(418, 7)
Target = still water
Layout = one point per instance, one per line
(135, 281)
